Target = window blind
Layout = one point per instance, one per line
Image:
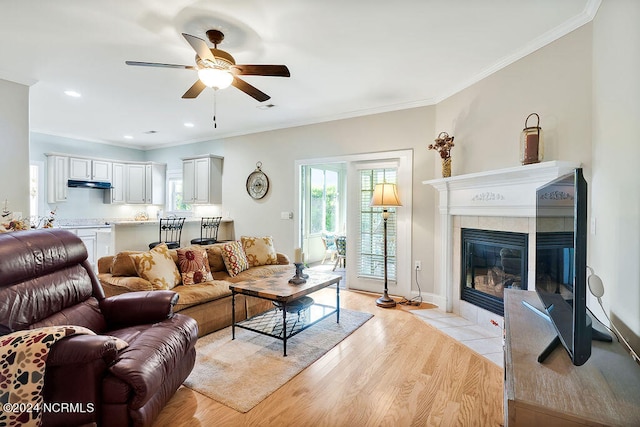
(371, 241)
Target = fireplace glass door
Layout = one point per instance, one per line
(492, 261)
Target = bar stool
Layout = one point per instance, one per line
(169, 232)
(208, 231)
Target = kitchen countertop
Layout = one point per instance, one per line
(107, 223)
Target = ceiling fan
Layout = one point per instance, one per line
(217, 69)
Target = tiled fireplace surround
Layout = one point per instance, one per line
(499, 200)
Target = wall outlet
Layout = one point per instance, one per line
(418, 265)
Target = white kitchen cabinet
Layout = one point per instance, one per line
(88, 237)
(97, 241)
(79, 168)
(57, 177)
(116, 195)
(101, 170)
(89, 169)
(202, 180)
(145, 183)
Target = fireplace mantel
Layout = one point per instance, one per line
(509, 192)
(502, 192)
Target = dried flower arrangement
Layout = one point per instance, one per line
(443, 145)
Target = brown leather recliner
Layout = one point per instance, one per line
(45, 280)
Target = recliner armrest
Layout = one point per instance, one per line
(82, 349)
(137, 308)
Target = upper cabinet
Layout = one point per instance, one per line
(131, 182)
(57, 177)
(145, 183)
(202, 180)
(116, 195)
(89, 169)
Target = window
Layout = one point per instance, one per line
(324, 201)
(372, 227)
(175, 200)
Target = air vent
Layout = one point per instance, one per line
(265, 106)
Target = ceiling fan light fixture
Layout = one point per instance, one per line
(215, 78)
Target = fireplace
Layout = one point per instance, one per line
(498, 200)
(492, 261)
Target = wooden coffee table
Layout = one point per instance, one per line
(293, 315)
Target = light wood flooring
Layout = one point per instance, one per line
(395, 370)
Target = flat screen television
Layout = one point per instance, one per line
(561, 263)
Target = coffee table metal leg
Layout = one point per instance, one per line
(233, 315)
(284, 327)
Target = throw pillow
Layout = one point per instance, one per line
(259, 250)
(234, 258)
(157, 267)
(194, 266)
(214, 252)
(123, 265)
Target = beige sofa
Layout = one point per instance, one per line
(209, 303)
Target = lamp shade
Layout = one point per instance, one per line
(385, 195)
(214, 78)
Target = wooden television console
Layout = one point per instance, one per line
(605, 391)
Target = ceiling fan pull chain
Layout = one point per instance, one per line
(215, 106)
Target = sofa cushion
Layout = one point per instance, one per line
(194, 265)
(123, 264)
(200, 293)
(234, 258)
(254, 273)
(259, 250)
(157, 267)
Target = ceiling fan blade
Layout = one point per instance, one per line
(250, 90)
(194, 90)
(261, 70)
(156, 64)
(200, 46)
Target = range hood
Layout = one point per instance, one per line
(88, 184)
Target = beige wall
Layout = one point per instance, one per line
(487, 118)
(615, 190)
(14, 144)
(278, 151)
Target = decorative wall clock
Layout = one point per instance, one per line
(257, 183)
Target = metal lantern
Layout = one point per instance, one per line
(531, 142)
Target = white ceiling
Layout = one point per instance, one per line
(347, 58)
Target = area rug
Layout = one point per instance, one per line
(243, 372)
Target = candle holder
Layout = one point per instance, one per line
(299, 277)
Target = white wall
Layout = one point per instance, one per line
(14, 143)
(615, 202)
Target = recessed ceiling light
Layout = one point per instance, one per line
(188, 125)
(72, 93)
(127, 137)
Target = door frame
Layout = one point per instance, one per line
(404, 159)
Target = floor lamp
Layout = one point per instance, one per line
(385, 195)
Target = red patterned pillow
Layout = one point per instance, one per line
(194, 266)
(234, 258)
